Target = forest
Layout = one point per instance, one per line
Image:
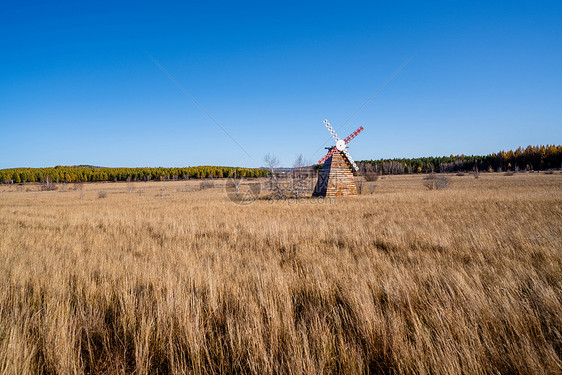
(90, 173)
(532, 158)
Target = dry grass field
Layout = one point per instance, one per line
(156, 279)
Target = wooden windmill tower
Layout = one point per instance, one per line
(336, 177)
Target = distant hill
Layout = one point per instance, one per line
(86, 166)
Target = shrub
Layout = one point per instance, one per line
(436, 182)
(371, 176)
(206, 185)
(47, 184)
(359, 186)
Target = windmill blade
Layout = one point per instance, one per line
(332, 131)
(351, 160)
(353, 135)
(327, 155)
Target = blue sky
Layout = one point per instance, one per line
(77, 85)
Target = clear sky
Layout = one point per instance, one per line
(77, 85)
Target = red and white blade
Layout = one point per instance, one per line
(327, 155)
(353, 135)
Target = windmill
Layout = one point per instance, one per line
(336, 176)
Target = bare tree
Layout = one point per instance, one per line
(272, 162)
(369, 174)
(129, 184)
(234, 182)
(359, 185)
(392, 167)
(47, 183)
(79, 186)
(299, 178)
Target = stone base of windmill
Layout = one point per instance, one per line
(336, 178)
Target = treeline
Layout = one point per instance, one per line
(531, 158)
(88, 173)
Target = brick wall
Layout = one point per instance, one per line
(336, 178)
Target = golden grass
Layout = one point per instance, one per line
(462, 280)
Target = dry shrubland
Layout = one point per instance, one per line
(406, 280)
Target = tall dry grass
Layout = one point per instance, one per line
(463, 280)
